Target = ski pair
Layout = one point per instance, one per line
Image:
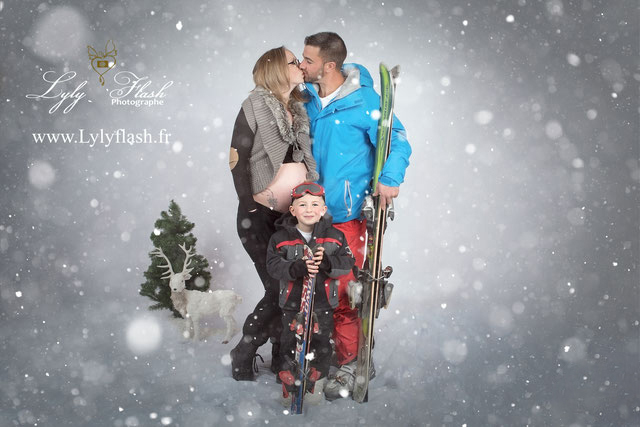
(301, 379)
(375, 290)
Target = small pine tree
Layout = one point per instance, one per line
(172, 230)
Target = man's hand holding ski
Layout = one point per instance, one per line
(386, 193)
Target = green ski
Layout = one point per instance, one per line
(376, 290)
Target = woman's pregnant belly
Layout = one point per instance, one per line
(277, 195)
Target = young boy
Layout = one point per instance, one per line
(307, 224)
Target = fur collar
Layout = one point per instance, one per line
(299, 113)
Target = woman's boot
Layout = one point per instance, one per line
(242, 361)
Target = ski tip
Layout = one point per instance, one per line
(395, 71)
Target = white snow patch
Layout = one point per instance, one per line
(144, 335)
(517, 307)
(55, 42)
(612, 71)
(573, 350)
(449, 281)
(226, 360)
(199, 282)
(510, 18)
(96, 373)
(454, 351)
(573, 59)
(501, 320)
(528, 240)
(249, 409)
(179, 25)
(553, 129)
(479, 264)
(41, 174)
(555, 7)
(483, 117)
(576, 216)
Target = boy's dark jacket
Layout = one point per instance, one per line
(285, 263)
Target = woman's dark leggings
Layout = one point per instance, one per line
(255, 229)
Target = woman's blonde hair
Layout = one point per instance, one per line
(272, 73)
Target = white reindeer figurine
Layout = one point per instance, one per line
(195, 305)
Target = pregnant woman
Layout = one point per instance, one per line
(270, 154)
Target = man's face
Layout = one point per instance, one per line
(312, 64)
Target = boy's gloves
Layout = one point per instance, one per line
(325, 265)
(298, 268)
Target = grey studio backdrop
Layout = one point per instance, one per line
(515, 246)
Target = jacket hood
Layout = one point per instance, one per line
(363, 73)
(288, 221)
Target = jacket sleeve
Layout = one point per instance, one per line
(277, 266)
(341, 261)
(241, 144)
(394, 168)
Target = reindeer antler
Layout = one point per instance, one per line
(158, 252)
(187, 258)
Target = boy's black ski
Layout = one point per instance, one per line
(376, 291)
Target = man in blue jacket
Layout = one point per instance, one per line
(343, 111)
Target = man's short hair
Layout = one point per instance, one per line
(332, 47)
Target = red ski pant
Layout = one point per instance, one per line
(345, 320)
